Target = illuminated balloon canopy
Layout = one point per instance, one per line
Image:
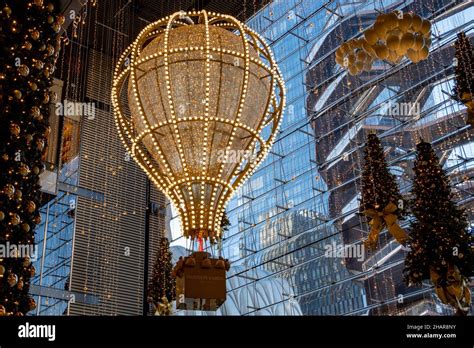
(198, 100)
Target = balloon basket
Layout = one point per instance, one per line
(200, 282)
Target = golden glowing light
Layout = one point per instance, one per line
(191, 89)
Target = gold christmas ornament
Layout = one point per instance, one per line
(23, 70)
(7, 11)
(27, 45)
(17, 94)
(39, 64)
(371, 36)
(26, 261)
(393, 42)
(18, 194)
(425, 27)
(3, 311)
(416, 23)
(28, 139)
(12, 279)
(30, 207)
(33, 86)
(413, 55)
(369, 49)
(424, 52)
(355, 57)
(25, 227)
(15, 129)
(35, 111)
(31, 304)
(37, 219)
(407, 41)
(2, 271)
(20, 284)
(381, 51)
(46, 98)
(2, 216)
(56, 27)
(192, 86)
(50, 50)
(418, 42)
(23, 170)
(35, 35)
(15, 219)
(9, 190)
(391, 21)
(40, 144)
(405, 22)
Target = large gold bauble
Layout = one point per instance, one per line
(194, 88)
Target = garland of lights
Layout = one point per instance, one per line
(198, 191)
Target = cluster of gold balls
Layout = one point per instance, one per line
(14, 281)
(393, 36)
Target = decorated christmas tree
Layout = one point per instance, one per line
(29, 44)
(225, 223)
(161, 291)
(464, 67)
(381, 201)
(441, 246)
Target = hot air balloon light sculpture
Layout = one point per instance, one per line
(192, 88)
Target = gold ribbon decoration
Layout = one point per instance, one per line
(379, 219)
(468, 100)
(163, 307)
(453, 289)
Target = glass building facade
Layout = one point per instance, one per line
(303, 199)
(54, 238)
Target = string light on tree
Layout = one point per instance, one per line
(161, 291)
(464, 67)
(30, 47)
(440, 243)
(381, 201)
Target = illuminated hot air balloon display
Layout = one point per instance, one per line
(198, 100)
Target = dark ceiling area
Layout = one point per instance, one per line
(110, 26)
(126, 18)
(155, 9)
